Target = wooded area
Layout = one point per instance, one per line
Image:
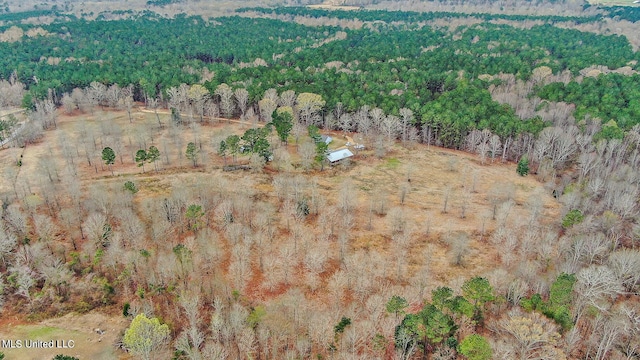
(172, 170)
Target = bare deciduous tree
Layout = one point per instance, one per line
(345, 122)
(533, 336)
(8, 244)
(597, 285)
(347, 197)
(267, 106)
(95, 228)
(68, 103)
(626, 266)
(287, 98)
(446, 196)
(494, 146)
(242, 96)
(458, 248)
(227, 105)
(389, 126)
(406, 118)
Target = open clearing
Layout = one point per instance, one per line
(413, 180)
(81, 329)
(424, 174)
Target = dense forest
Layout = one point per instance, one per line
(385, 65)
(217, 267)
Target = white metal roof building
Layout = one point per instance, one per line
(339, 155)
(326, 139)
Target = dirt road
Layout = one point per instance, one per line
(219, 119)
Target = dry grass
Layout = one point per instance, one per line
(88, 344)
(431, 171)
(426, 174)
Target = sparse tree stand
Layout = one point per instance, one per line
(192, 153)
(109, 157)
(141, 158)
(144, 335)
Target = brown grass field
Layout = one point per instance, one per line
(81, 329)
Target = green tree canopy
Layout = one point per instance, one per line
(478, 291)
(109, 157)
(192, 153)
(283, 123)
(427, 328)
(475, 347)
(194, 215)
(153, 154)
(396, 305)
(141, 158)
(233, 145)
(255, 141)
(523, 166)
(145, 335)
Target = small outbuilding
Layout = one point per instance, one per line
(326, 139)
(338, 155)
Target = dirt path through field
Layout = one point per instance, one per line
(219, 119)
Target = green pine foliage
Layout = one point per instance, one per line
(192, 153)
(396, 305)
(131, 187)
(611, 96)
(558, 306)
(150, 52)
(523, 166)
(573, 217)
(344, 322)
(283, 123)
(255, 141)
(428, 328)
(475, 347)
(141, 158)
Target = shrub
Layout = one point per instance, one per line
(573, 217)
